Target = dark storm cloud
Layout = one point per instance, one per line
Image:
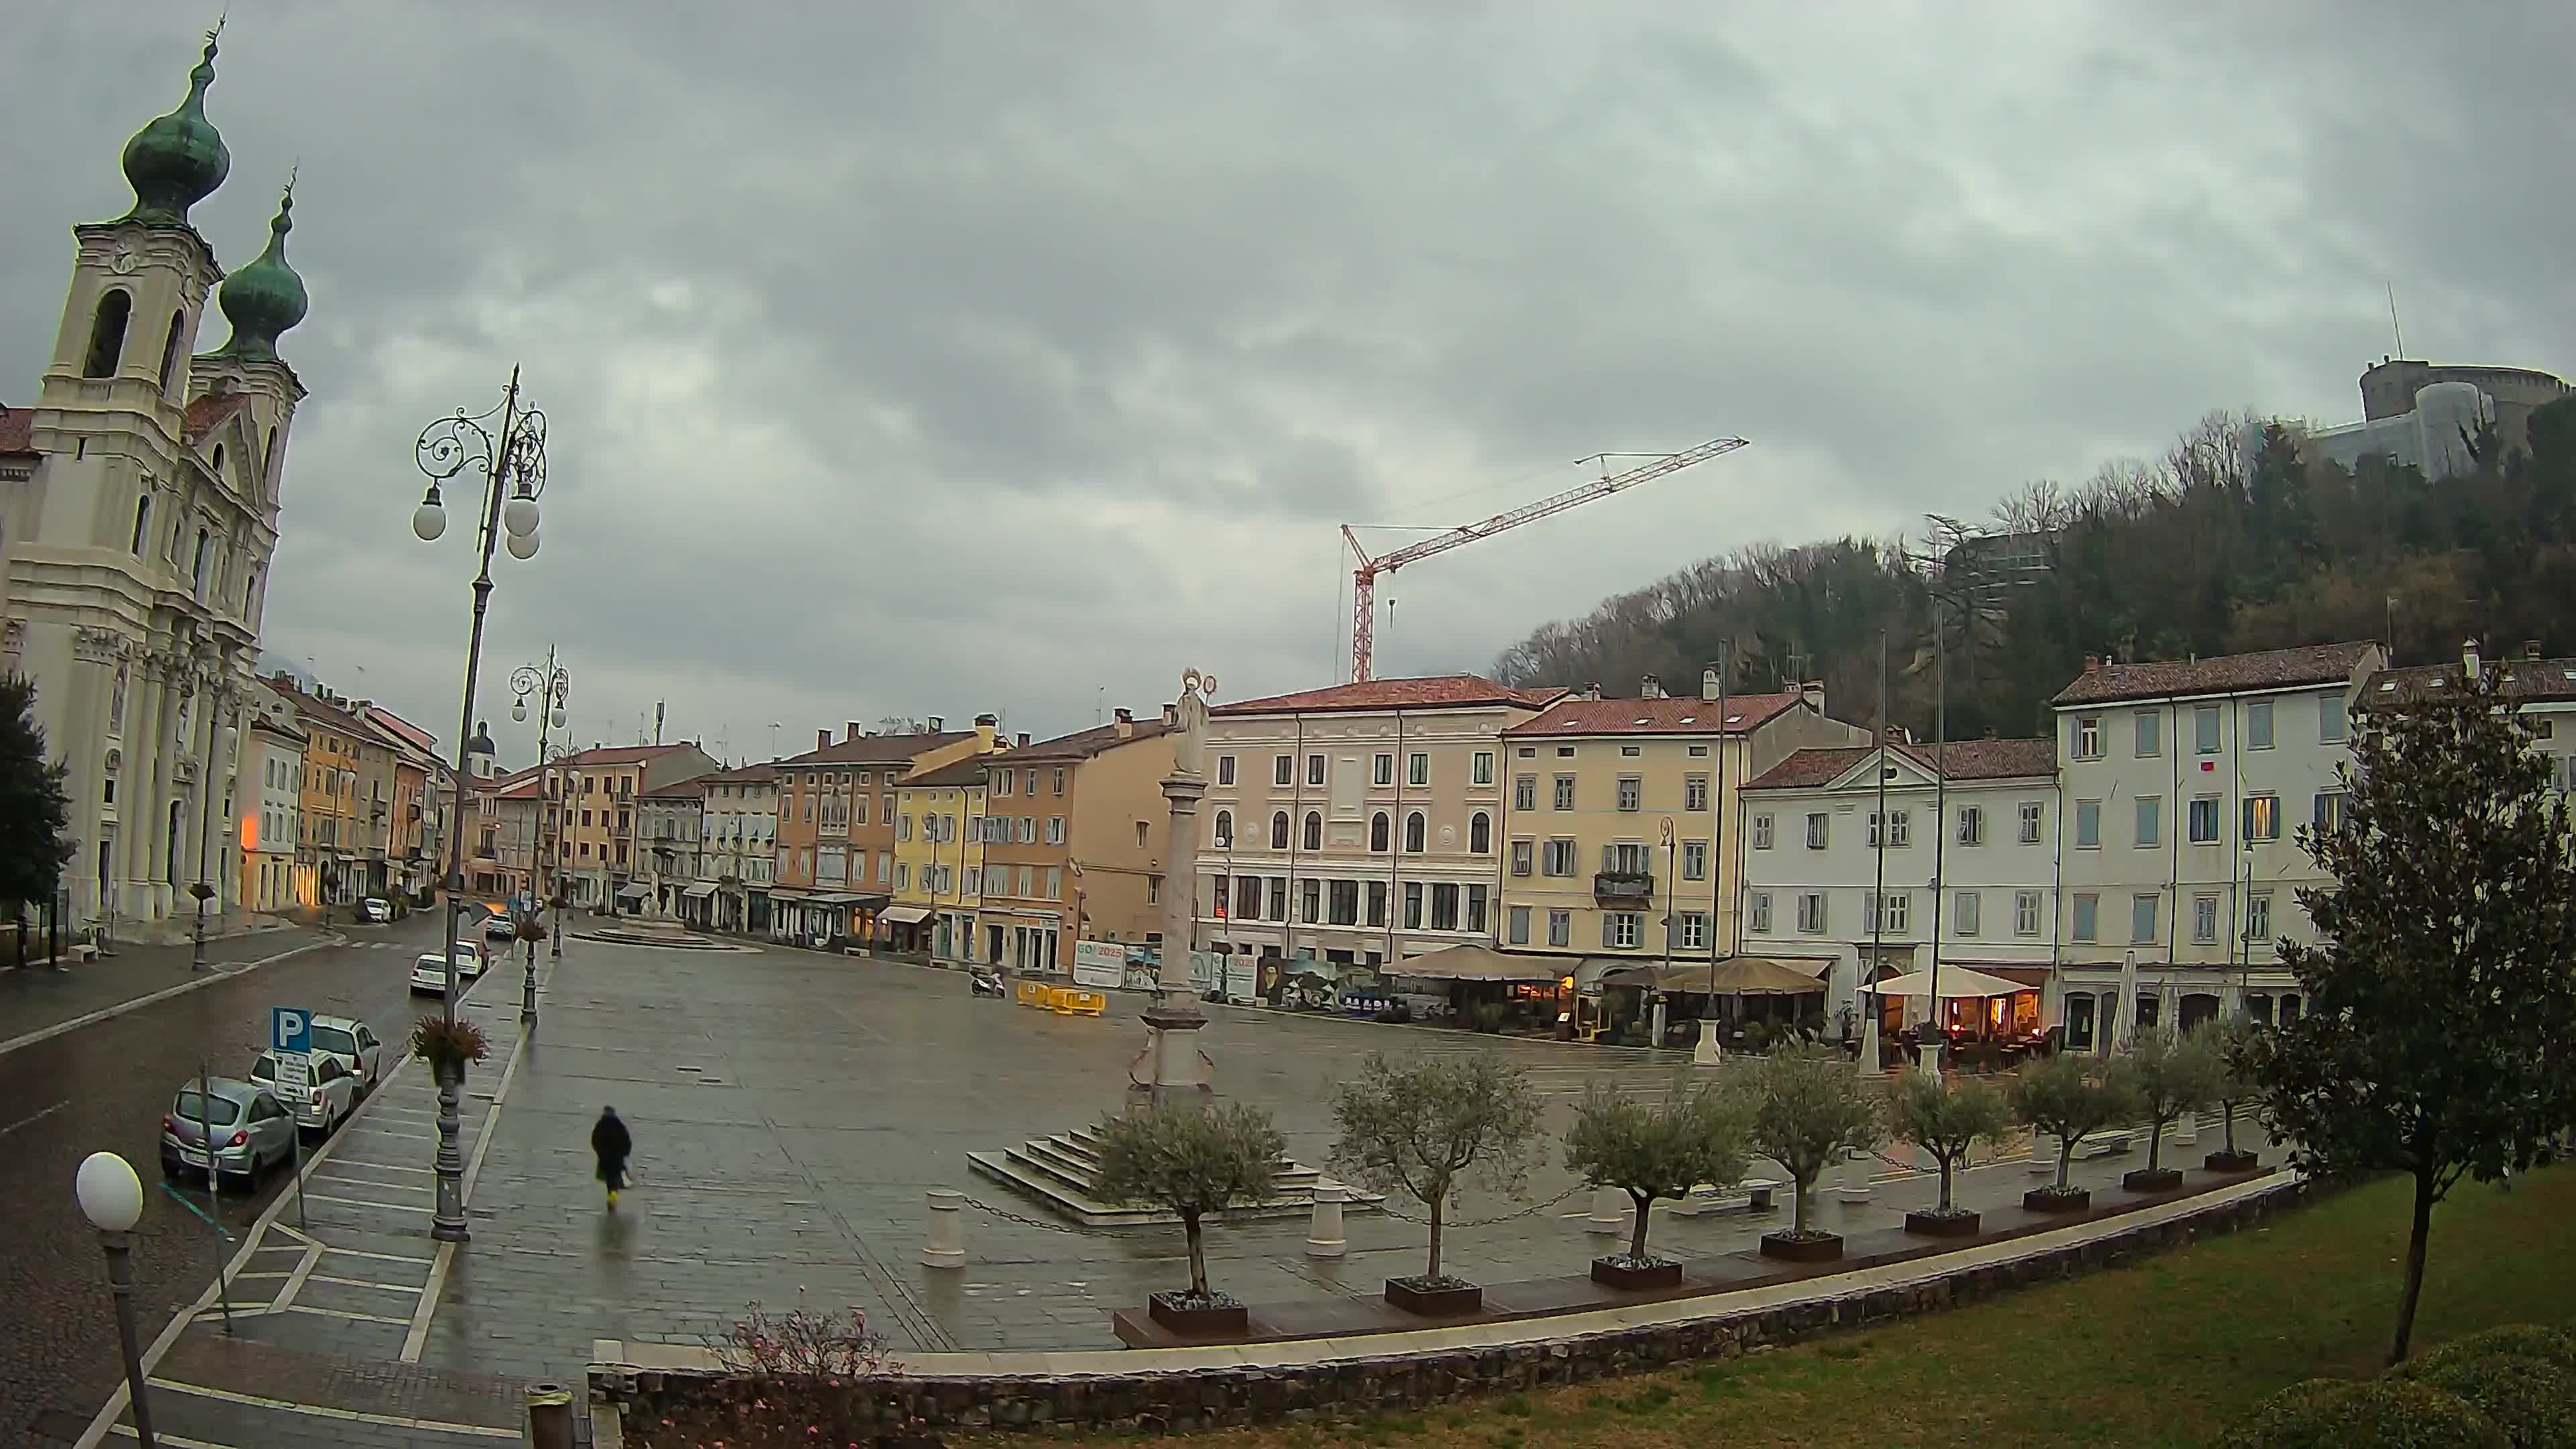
(925, 359)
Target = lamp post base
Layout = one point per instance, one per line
(120, 1283)
(448, 1225)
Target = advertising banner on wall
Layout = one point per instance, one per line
(1100, 965)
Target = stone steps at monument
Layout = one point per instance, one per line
(1065, 1177)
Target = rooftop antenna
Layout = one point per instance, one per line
(657, 720)
(2394, 330)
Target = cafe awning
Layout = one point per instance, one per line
(1956, 982)
(1757, 976)
(634, 892)
(700, 891)
(1477, 963)
(904, 915)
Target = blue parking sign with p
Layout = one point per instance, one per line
(290, 1029)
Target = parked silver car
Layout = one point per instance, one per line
(324, 1104)
(252, 1131)
(350, 1039)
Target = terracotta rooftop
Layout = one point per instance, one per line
(1960, 760)
(17, 430)
(2523, 676)
(692, 788)
(206, 414)
(965, 772)
(877, 749)
(1439, 691)
(760, 774)
(1693, 716)
(328, 713)
(2225, 674)
(598, 755)
(1081, 744)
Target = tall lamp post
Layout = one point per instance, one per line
(550, 684)
(513, 467)
(111, 1197)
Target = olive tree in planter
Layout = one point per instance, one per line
(2172, 1074)
(1653, 1150)
(1423, 1127)
(2059, 1095)
(1810, 1110)
(2239, 1045)
(1193, 1161)
(1947, 1122)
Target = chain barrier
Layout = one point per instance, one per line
(1011, 1217)
(1533, 1209)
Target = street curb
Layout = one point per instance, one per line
(110, 1013)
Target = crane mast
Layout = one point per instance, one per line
(1364, 578)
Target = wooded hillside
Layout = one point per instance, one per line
(2206, 550)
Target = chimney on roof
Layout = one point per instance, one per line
(1650, 688)
(1171, 714)
(1592, 690)
(1708, 685)
(850, 731)
(1813, 691)
(1021, 739)
(2092, 663)
(2531, 649)
(1896, 734)
(2469, 659)
(936, 724)
(822, 739)
(1125, 722)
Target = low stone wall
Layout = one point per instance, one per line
(1161, 1400)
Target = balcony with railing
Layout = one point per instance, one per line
(1623, 887)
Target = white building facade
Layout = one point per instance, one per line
(137, 528)
(670, 830)
(1966, 874)
(740, 860)
(1290, 862)
(273, 760)
(2184, 785)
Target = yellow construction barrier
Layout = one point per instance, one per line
(1031, 993)
(1074, 1001)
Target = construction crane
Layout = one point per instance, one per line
(1364, 578)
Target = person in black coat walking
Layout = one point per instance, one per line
(610, 1144)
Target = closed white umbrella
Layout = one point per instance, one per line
(2124, 1014)
(1868, 1033)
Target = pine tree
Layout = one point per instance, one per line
(35, 814)
(2442, 1000)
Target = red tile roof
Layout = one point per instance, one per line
(1081, 744)
(599, 755)
(1441, 691)
(2523, 678)
(877, 749)
(17, 430)
(747, 775)
(694, 787)
(965, 772)
(325, 711)
(1960, 760)
(1655, 716)
(206, 414)
(2225, 674)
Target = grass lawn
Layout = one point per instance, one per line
(2163, 1352)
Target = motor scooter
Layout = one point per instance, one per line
(984, 981)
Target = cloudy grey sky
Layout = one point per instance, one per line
(935, 358)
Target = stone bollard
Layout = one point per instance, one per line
(2187, 1129)
(945, 1246)
(1324, 1227)
(1852, 1177)
(1611, 1207)
(549, 1416)
(2043, 1155)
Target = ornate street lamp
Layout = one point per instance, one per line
(111, 1197)
(507, 446)
(551, 686)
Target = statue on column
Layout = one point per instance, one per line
(1189, 745)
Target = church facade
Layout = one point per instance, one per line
(138, 515)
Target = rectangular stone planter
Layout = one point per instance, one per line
(1198, 1320)
(2152, 1179)
(1825, 1249)
(1442, 1302)
(2231, 1162)
(1611, 1273)
(2050, 1200)
(1936, 1225)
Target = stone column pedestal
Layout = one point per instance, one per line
(1324, 1227)
(944, 1242)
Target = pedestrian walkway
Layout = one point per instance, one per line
(37, 1002)
(312, 1336)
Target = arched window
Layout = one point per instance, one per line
(218, 469)
(1314, 830)
(1413, 828)
(1480, 833)
(1279, 831)
(1377, 831)
(142, 520)
(197, 570)
(107, 334)
(170, 352)
(250, 593)
(1224, 828)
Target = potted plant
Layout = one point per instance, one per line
(2055, 1095)
(1810, 1110)
(1420, 1127)
(1650, 1151)
(2171, 1074)
(1946, 1122)
(1192, 1161)
(2239, 1044)
(448, 1046)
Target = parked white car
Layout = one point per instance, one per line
(472, 959)
(325, 1104)
(350, 1039)
(429, 975)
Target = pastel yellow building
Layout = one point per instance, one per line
(1620, 814)
(938, 859)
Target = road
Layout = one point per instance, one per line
(106, 1085)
